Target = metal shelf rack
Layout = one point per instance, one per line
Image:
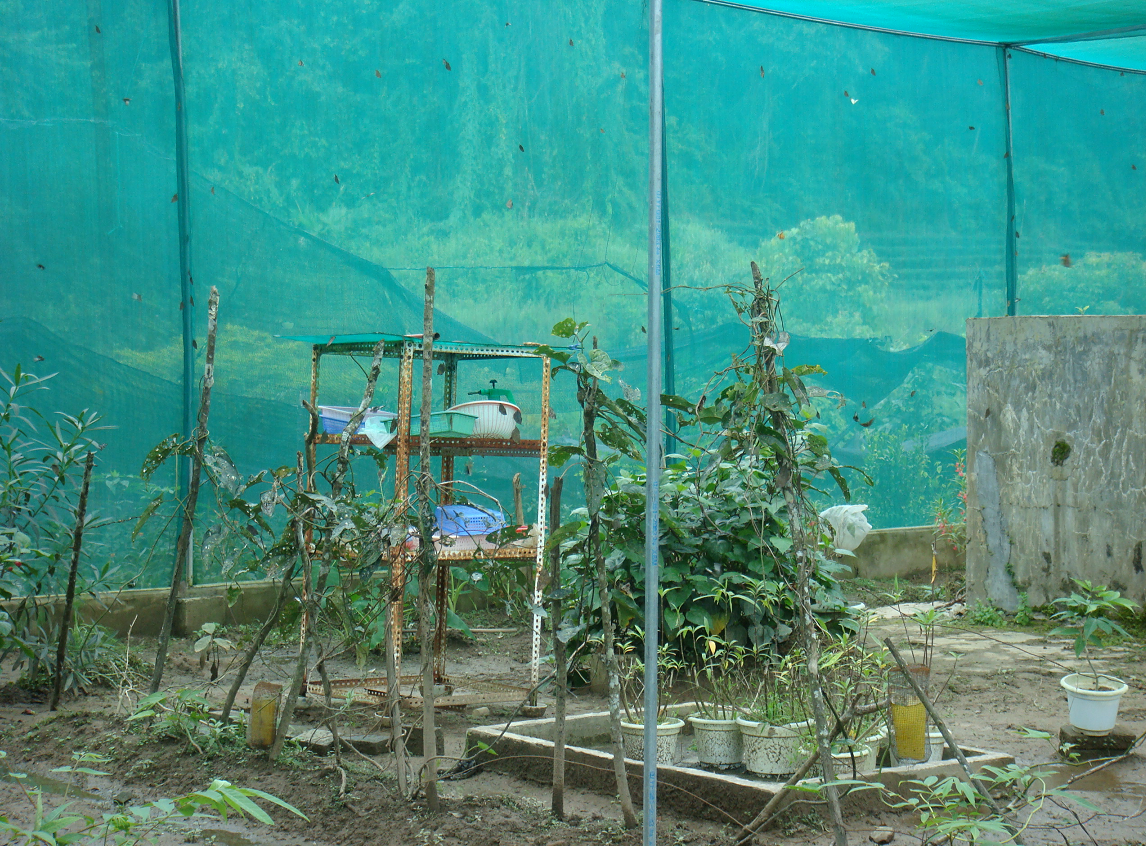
(406, 348)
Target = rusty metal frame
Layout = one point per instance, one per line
(447, 449)
(542, 531)
(395, 608)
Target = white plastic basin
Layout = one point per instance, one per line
(495, 418)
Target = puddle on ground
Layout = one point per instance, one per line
(229, 838)
(1109, 781)
(54, 785)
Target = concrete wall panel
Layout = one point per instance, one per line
(1056, 453)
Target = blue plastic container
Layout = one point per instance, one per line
(467, 520)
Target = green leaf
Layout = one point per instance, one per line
(456, 622)
(558, 455)
(841, 482)
(678, 403)
(775, 402)
(159, 454)
(568, 328)
(563, 533)
(598, 365)
(146, 515)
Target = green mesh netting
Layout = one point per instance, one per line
(336, 151)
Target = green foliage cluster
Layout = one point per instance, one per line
(1096, 283)
(1086, 615)
(727, 566)
(725, 562)
(185, 716)
(41, 464)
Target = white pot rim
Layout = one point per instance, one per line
(667, 727)
(784, 728)
(698, 719)
(1079, 685)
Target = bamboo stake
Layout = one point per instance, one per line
(300, 534)
(427, 552)
(951, 744)
(588, 396)
(560, 661)
(185, 532)
(69, 600)
(257, 643)
(763, 327)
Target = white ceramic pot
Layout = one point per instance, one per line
(495, 418)
(668, 741)
(771, 750)
(861, 754)
(718, 741)
(1093, 704)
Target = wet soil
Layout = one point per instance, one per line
(996, 683)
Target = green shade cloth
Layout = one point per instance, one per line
(1093, 32)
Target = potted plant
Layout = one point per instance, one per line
(1093, 697)
(853, 681)
(774, 721)
(669, 727)
(719, 684)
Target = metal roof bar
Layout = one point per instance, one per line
(846, 24)
(1111, 34)
(1098, 35)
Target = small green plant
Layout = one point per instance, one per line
(210, 645)
(61, 826)
(1085, 616)
(950, 511)
(1024, 614)
(987, 615)
(952, 811)
(669, 664)
(184, 715)
(776, 697)
(719, 678)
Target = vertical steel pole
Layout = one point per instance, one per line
(669, 368)
(1012, 256)
(653, 430)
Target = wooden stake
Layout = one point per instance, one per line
(187, 528)
(560, 661)
(69, 600)
(951, 744)
(427, 553)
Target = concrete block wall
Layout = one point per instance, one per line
(1056, 456)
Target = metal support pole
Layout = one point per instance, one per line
(1012, 243)
(653, 430)
(669, 369)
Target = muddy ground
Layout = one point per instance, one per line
(1001, 680)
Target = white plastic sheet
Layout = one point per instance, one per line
(849, 525)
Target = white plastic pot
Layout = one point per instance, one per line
(863, 756)
(936, 742)
(771, 750)
(668, 741)
(1093, 701)
(718, 741)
